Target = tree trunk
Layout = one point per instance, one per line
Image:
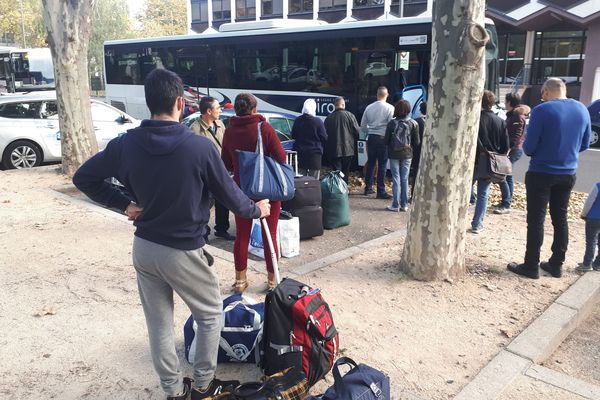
(69, 29)
(435, 241)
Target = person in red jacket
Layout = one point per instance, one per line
(242, 134)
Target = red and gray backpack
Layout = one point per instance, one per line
(298, 331)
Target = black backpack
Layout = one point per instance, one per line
(401, 136)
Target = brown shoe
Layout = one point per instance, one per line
(241, 282)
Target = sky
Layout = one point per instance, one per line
(134, 6)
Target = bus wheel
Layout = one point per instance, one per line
(22, 154)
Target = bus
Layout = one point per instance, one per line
(284, 62)
(25, 70)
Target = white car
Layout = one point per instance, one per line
(29, 133)
(377, 69)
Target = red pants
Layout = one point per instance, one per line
(243, 227)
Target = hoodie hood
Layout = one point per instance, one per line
(245, 120)
(160, 137)
(523, 110)
(310, 107)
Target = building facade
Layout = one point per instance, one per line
(537, 38)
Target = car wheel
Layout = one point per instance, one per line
(595, 138)
(22, 154)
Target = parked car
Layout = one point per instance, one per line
(281, 122)
(29, 133)
(376, 69)
(594, 110)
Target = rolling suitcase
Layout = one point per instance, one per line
(311, 221)
(307, 193)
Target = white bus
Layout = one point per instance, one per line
(283, 66)
(25, 69)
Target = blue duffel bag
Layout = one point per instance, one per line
(360, 383)
(241, 332)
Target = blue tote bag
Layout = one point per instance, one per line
(262, 177)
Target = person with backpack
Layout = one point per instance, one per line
(591, 215)
(492, 137)
(401, 135)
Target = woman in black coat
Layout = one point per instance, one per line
(310, 138)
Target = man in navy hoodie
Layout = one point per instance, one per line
(559, 129)
(169, 172)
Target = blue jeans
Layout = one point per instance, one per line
(483, 190)
(507, 186)
(592, 239)
(400, 170)
(377, 152)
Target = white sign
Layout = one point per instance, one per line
(404, 60)
(411, 40)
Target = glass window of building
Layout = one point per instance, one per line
(558, 54)
(332, 4)
(221, 10)
(511, 53)
(368, 3)
(300, 6)
(245, 8)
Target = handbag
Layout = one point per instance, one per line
(289, 384)
(499, 166)
(360, 383)
(262, 177)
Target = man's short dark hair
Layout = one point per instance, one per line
(513, 98)
(162, 88)
(244, 104)
(402, 109)
(206, 103)
(423, 107)
(488, 100)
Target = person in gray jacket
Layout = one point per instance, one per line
(374, 122)
(342, 133)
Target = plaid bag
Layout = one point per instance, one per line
(289, 384)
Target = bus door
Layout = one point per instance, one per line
(6, 74)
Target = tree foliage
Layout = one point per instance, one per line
(163, 18)
(110, 20)
(17, 16)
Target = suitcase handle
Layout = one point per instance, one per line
(271, 249)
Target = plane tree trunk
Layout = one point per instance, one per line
(435, 241)
(69, 28)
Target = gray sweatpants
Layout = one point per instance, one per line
(160, 271)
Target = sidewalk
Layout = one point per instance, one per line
(73, 326)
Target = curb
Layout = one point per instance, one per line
(537, 342)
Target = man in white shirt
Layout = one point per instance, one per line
(374, 122)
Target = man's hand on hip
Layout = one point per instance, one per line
(133, 211)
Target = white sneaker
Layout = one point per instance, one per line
(390, 208)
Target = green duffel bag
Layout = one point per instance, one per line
(335, 203)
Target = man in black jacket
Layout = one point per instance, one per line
(342, 133)
(492, 137)
(170, 171)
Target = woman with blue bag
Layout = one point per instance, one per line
(242, 135)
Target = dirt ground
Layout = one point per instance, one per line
(579, 354)
(73, 328)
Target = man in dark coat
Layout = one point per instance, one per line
(342, 133)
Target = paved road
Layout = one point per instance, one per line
(587, 174)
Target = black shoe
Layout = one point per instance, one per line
(368, 192)
(216, 387)
(554, 270)
(524, 270)
(384, 196)
(225, 235)
(187, 388)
